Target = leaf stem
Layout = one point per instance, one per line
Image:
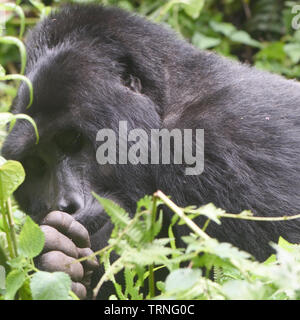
(238, 216)
(105, 276)
(73, 295)
(12, 227)
(153, 216)
(181, 214)
(151, 280)
(6, 229)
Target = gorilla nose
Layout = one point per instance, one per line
(70, 206)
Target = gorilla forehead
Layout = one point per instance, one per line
(59, 76)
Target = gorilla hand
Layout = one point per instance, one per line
(65, 241)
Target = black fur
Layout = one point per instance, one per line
(82, 61)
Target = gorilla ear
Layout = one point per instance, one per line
(129, 77)
(133, 83)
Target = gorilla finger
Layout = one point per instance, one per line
(66, 224)
(79, 289)
(58, 261)
(89, 264)
(56, 241)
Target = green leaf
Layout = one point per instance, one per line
(230, 31)
(171, 235)
(161, 286)
(2, 160)
(203, 42)
(246, 213)
(230, 273)
(209, 210)
(5, 117)
(271, 259)
(158, 224)
(182, 279)
(131, 286)
(12, 175)
(25, 292)
(118, 215)
(4, 252)
(223, 250)
(242, 290)
(193, 8)
(244, 37)
(19, 11)
(2, 71)
(223, 27)
(120, 218)
(14, 281)
(144, 203)
(21, 47)
(276, 67)
(293, 51)
(27, 81)
(31, 240)
(282, 243)
(227, 250)
(38, 4)
(17, 263)
(297, 36)
(152, 253)
(50, 286)
(2, 277)
(273, 51)
(28, 118)
(127, 5)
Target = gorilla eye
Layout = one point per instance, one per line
(34, 165)
(69, 141)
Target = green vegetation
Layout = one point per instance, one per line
(236, 275)
(257, 32)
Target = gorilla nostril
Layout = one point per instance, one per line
(68, 207)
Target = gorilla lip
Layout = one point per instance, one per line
(160, 147)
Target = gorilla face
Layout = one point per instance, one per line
(75, 95)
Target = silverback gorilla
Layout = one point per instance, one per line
(92, 67)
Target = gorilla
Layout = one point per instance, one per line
(91, 68)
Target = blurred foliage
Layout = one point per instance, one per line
(259, 32)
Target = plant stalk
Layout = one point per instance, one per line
(12, 227)
(7, 231)
(181, 214)
(151, 279)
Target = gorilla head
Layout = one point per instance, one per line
(92, 67)
(82, 83)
